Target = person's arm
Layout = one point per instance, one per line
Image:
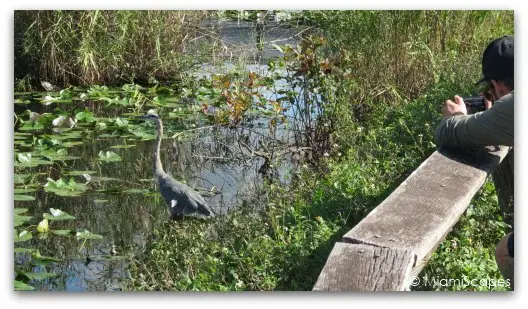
(491, 127)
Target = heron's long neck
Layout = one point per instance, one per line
(157, 161)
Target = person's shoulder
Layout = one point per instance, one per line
(508, 97)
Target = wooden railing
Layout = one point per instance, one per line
(394, 241)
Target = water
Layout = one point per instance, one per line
(122, 202)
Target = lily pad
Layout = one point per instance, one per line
(20, 178)
(58, 215)
(109, 156)
(27, 160)
(19, 220)
(86, 116)
(63, 188)
(43, 260)
(38, 276)
(23, 236)
(61, 232)
(20, 197)
(122, 146)
(24, 190)
(21, 286)
(19, 211)
(56, 155)
(85, 234)
(23, 250)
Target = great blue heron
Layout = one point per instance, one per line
(181, 199)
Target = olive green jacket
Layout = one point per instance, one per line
(488, 128)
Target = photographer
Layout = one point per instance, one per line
(494, 126)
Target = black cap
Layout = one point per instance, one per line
(497, 60)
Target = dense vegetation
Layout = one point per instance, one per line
(102, 47)
(377, 80)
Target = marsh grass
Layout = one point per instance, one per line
(103, 47)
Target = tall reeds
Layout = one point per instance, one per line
(85, 47)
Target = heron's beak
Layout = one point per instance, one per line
(141, 117)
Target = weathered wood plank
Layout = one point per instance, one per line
(352, 267)
(424, 208)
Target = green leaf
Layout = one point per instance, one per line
(19, 211)
(120, 122)
(23, 250)
(86, 116)
(63, 188)
(61, 232)
(21, 178)
(58, 215)
(122, 146)
(21, 286)
(38, 276)
(27, 160)
(88, 235)
(109, 156)
(19, 220)
(19, 197)
(24, 190)
(23, 236)
(42, 260)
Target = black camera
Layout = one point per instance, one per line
(475, 104)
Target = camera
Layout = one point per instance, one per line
(475, 104)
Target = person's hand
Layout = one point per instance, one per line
(454, 108)
(487, 103)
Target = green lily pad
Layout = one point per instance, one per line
(21, 286)
(58, 215)
(71, 144)
(23, 250)
(85, 234)
(20, 178)
(109, 156)
(61, 232)
(19, 211)
(38, 276)
(23, 236)
(63, 188)
(56, 155)
(19, 197)
(27, 160)
(19, 220)
(86, 116)
(122, 146)
(24, 190)
(43, 260)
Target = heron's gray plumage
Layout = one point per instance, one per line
(181, 199)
